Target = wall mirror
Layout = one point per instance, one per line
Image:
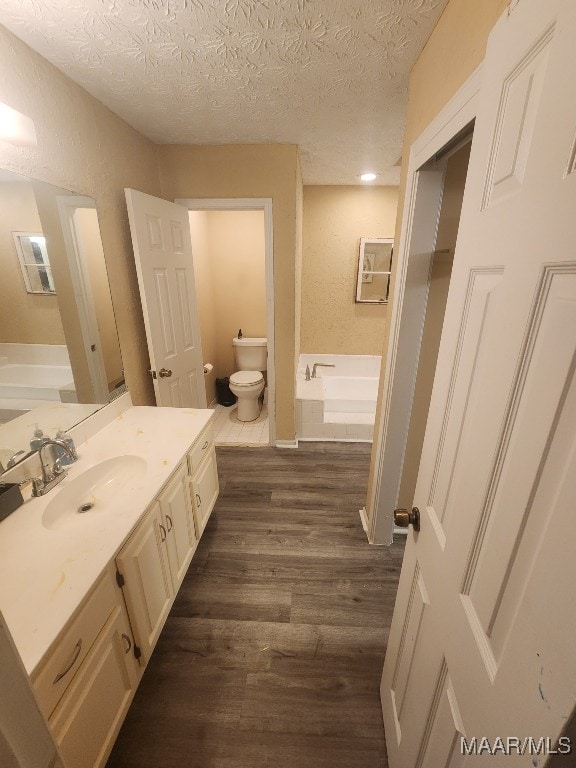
(59, 351)
(374, 269)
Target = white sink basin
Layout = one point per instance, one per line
(103, 488)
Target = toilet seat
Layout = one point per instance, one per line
(246, 378)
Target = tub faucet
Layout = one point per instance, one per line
(321, 365)
(307, 373)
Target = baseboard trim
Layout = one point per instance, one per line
(286, 443)
(364, 519)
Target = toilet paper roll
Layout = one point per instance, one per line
(208, 367)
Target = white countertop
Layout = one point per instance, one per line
(45, 574)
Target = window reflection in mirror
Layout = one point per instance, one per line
(59, 352)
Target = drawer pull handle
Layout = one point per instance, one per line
(205, 445)
(77, 649)
(169, 521)
(198, 500)
(128, 642)
(162, 532)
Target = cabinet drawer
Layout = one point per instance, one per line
(200, 449)
(60, 665)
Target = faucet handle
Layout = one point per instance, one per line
(307, 373)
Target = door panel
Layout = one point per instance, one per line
(163, 254)
(480, 644)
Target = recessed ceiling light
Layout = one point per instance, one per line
(368, 176)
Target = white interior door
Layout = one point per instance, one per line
(163, 253)
(482, 641)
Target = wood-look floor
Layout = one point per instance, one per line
(273, 650)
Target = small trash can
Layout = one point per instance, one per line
(223, 392)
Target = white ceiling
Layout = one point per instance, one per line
(328, 75)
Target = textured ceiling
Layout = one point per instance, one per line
(328, 75)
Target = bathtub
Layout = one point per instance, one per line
(33, 374)
(340, 403)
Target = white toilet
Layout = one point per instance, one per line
(248, 382)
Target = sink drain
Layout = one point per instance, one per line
(86, 507)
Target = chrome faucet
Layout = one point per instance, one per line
(52, 471)
(321, 365)
(51, 475)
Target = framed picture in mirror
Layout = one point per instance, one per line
(34, 263)
(374, 270)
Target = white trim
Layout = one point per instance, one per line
(254, 204)
(286, 443)
(67, 206)
(390, 448)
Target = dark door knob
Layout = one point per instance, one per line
(403, 518)
(164, 373)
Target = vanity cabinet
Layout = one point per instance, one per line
(205, 488)
(178, 529)
(85, 684)
(142, 569)
(86, 680)
(154, 561)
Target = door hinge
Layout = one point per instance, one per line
(119, 579)
(137, 651)
(153, 374)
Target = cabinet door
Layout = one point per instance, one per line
(87, 720)
(178, 522)
(205, 491)
(147, 585)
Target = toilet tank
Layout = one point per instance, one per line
(251, 354)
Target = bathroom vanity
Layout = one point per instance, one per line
(86, 594)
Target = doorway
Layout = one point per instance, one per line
(454, 162)
(427, 168)
(233, 264)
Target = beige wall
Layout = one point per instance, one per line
(229, 269)
(205, 295)
(238, 279)
(25, 318)
(85, 148)
(269, 171)
(454, 50)
(335, 218)
(298, 267)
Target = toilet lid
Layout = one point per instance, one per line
(246, 378)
